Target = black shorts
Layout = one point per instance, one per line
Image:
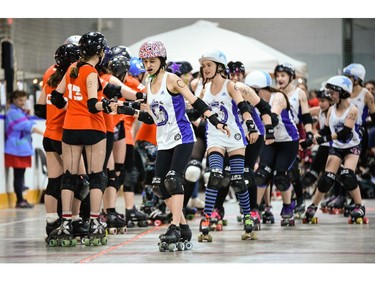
(82, 137)
(342, 153)
(51, 145)
(119, 131)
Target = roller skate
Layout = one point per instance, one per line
(349, 208)
(189, 212)
(133, 215)
(62, 236)
(249, 228)
(204, 228)
(157, 217)
(287, 215)
(255, 217)
(216, 223)
(50, 226)
(300, 208)
(325, 202)
(80, 229)
(96, 235)
(171, 240)
(308, 217)
(357, 216)
(186, 236)
(267, 216)
(337, 205)
(116, 223)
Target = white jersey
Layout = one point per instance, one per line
(228, 113)
(286, 130)
(294, 104)
(336, 124)
(169, 114)
(359, 102)
(322, 119)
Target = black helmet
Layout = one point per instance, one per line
(286, 67)
(92, 43)
(179, 67)
(66, 54)
(324, 94)
(121, 50)
(236, 66)
(119, 65)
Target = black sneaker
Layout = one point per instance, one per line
(24, 205)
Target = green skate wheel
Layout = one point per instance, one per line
(104, 241)
(96, 241)
(73, 242)
(86, 241)
(52, 243)
(65, 243)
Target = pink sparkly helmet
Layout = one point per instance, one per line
(152, 49)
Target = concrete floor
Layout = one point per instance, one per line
(332, 241)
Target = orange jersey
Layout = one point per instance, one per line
(134, 84)
(146, 132)
(108, 118)
(78, 116)
(55, 117)
(47, 74)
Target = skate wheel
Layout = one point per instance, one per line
(73, 242)
(304, 221)
(65, 243)
(253, 236)
(366, 220)
(188, 245)
(359, 221)
(291, 223)
(180, 246)
(219, 227)
(95, 241)
(104, 241)
(243, 236)
(52, 243)
(190, 217)
(225, 222)
(209, 238)
(162, 247)
(112, 231)
(314, 220)
(239, 218)
(157, 222)
(172, 247)
(122, 230)
(142, 223)
(200, 238)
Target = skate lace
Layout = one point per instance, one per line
(358, 210)
(205, 221)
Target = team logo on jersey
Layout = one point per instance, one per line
(177, 137)
(160, 113)
(237, 136)
(219, 108)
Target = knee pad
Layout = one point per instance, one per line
(193, 171)
(309, 178)
(113, 180)
(249, 177)
(156, 187)
(263, 176)
(215, 180)
(131, 179)
(119, 168)
(348, 179)
(98, 181)
(281, 179)
(54, 187)
(83, 187)
(69, 181)
(173, 183)
(238, 184)
(326, 182)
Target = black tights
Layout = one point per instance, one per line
(18, 182)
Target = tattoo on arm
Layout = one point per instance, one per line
(90, 84)
(352, 116)
(180, 83)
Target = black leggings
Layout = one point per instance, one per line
(175, 159)
(18, 182)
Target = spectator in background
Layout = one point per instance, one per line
(370, 85)
(18, 143)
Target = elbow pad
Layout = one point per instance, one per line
(274, 119)
(192, 114)
(91, 105)
(40, 110)
(325, 131)
(200, 106)
(57, 99)
(264, 107)
(145, 117)
(344, 134)
(306, 119)
(244, 106)
(112, 91)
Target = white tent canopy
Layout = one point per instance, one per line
(187, 43)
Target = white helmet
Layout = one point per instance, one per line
(258, 79)
(74, 39)
(341, 84)
(214, 55)
(356, 70)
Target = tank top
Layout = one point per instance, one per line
(359, 102)
(225, 107)
(286, 130)
(295, 105)
(169, 114)
(336, 124)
